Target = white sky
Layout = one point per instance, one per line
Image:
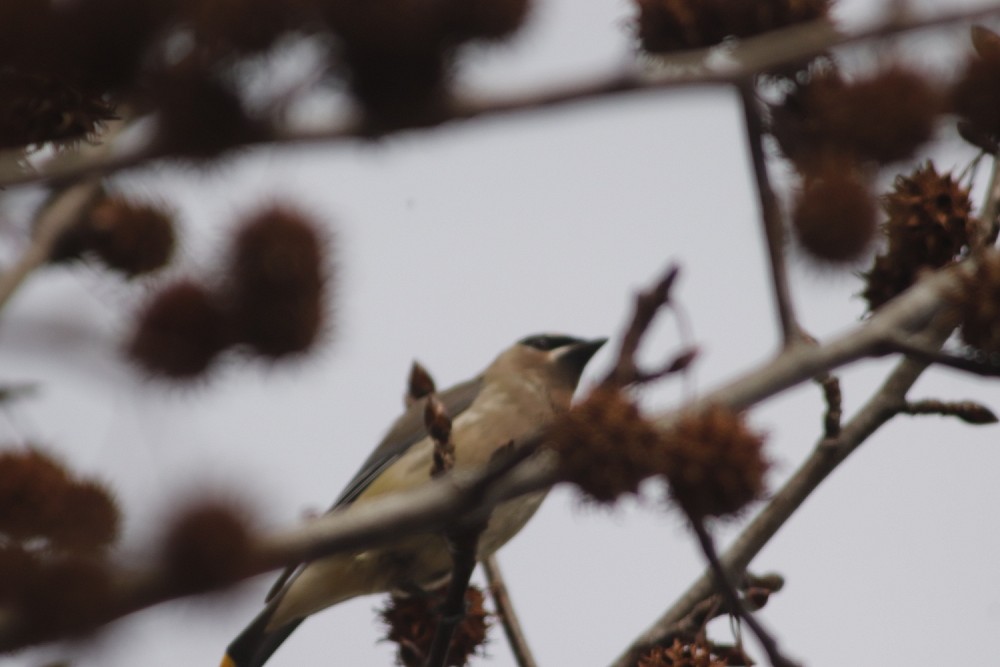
(451, 244)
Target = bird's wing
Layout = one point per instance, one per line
(404, 433)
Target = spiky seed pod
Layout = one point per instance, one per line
(36, 109)
(207, 546)
(278, 283)
(399, 89)
(200, 114)
(680, 654)
(411, 623)
(32, 488)
(883, 117)
(835, 216)
(486, 19)
(929, 217)
(664, 26)
(68, 596)
(129, 236)
(244, 26)
(928, 226)
(605, 445)
(180, 332)
(90, 518)
(713, 462)
(975, 96)
(103, 43)
(979, 305)
(19, 567)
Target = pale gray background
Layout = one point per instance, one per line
(452, 243)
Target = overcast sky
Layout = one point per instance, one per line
(451, 244)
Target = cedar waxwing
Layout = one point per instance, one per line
(519, 393)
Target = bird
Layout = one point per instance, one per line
(523, 390)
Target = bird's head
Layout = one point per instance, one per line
(556, 360)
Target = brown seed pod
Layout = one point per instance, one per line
(244, 26)
(928, 226)
(664, 26)
(180, 332)
(200, 114)
(68, 596)
(411, 623)
(132, 237)
(979, 304)
(975, 96)
(207, 546)
(277, 290)
(713, 462)
(882, 117)
(38, 108)
(834, 216)
(32, 488)
(681, 654)
(90, 518)
(486, 19)
(604, 445)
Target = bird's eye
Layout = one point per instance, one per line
(546, 342)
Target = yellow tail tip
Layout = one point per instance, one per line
(227, 662)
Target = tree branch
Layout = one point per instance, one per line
(746, 59)
(508, 617)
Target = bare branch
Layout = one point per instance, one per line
(733, 602)
(770, 214)
(508, 617)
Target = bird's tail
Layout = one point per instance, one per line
(256, 643)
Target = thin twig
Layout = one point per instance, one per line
(725, 586)
(770, 214)
(971, 412)
(61, 214)
(980, 364)
(462, 543)
(508, 617)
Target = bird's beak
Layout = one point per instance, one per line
(580, 353)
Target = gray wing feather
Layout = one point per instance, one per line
(404, 433)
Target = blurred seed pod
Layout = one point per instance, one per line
(835, 215)
(131, 237)
(40, 499)
(399, 89)
(605, 446)
(681, 654)
(486, 19)
(69, 595)
(224, 27)
(714, 463)
(32, 486)
(90, 518)
(207, 545)
(37, 108)
(180, 332)
(928, 226)
(411, 623)
(883, 117)
(975, 95)
(103, 44)
(200, 115)
(664, 26)
(277, 282)
(979, 305)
